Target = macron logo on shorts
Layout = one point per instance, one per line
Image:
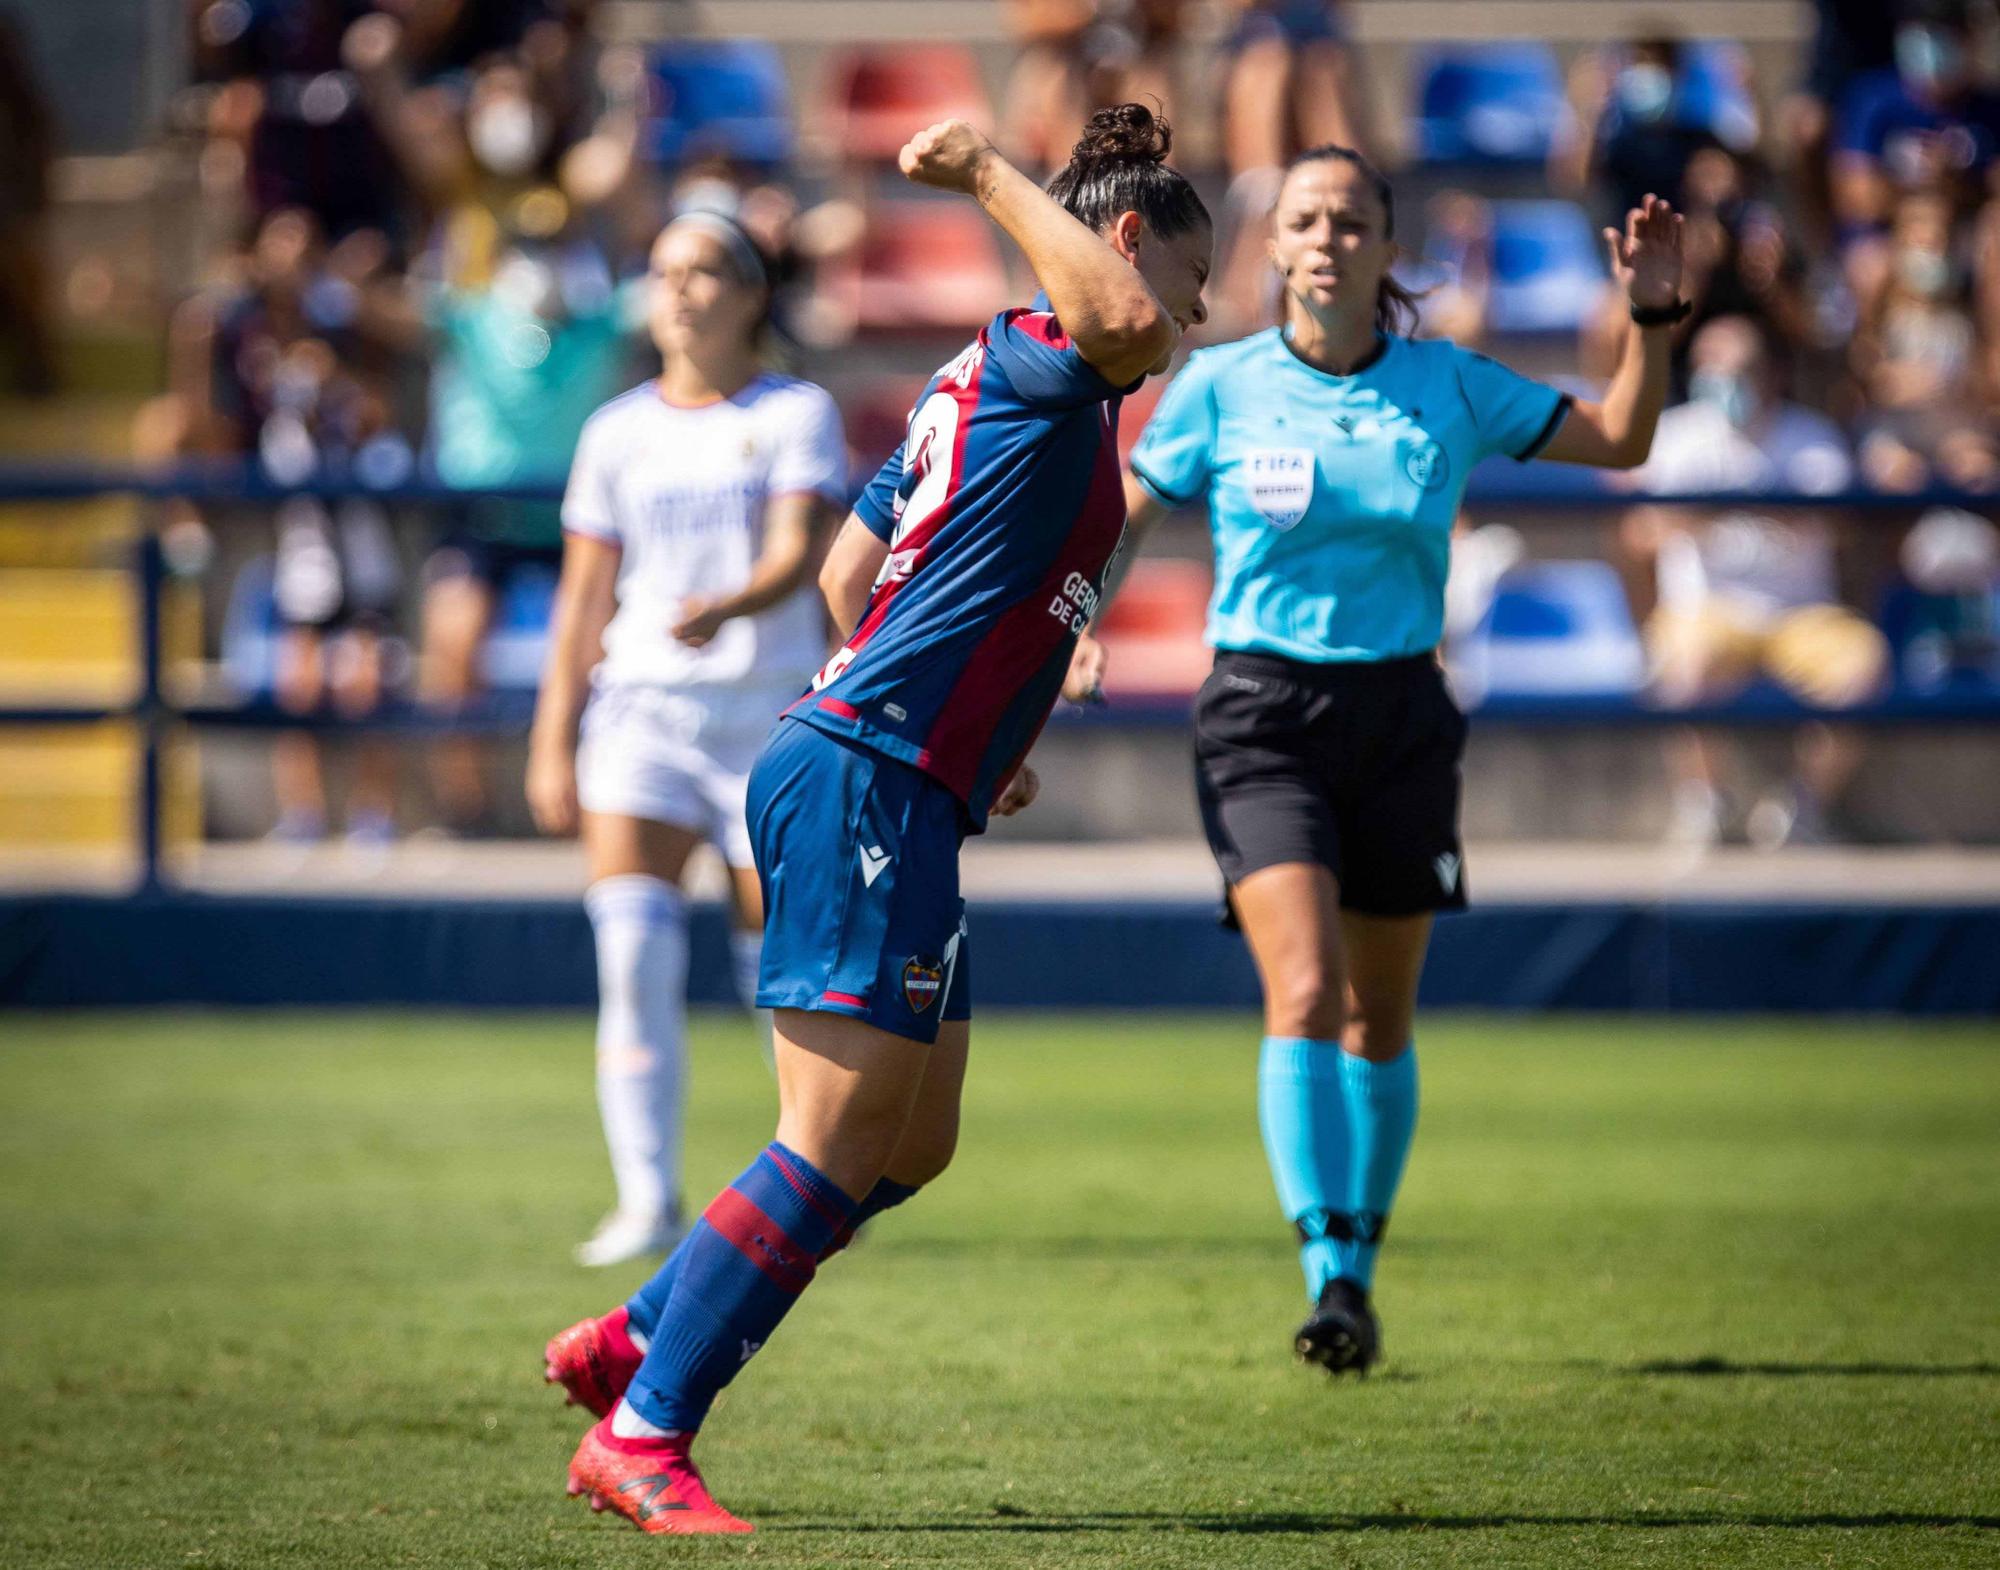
(873, 859)
(1447, 870)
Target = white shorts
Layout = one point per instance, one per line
(678, 756)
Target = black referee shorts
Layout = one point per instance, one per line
(1352, 766)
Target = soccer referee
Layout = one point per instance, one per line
(1333, 452)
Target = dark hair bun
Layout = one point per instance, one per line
(1125, 133)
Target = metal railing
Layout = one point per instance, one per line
(154, 711)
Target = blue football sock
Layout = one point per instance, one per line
(751, 1254)
(644, 1310)
(1381, 1118)
(1300, 1108)
(887, 1194)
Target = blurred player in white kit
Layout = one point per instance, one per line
(696, 510)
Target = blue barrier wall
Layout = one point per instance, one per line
(73, 950)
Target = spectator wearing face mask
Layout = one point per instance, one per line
(1917, 356)
(1927, 125)
(519, 365)
(474, 153)
(1748, 594)
(1638, 128)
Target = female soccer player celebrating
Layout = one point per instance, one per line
(1333, 452)
(985, 540)
(694, 508)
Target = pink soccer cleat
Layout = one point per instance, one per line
(651, 1482)
(594, 1360)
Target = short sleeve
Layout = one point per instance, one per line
(881, 498)
(1042, 363)
(586, 503)
(1512, 413)
(812, 447)
(1174, 454)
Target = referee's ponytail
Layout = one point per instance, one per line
(1395, 306)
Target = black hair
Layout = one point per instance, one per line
(1120, 166)
(1395, 306)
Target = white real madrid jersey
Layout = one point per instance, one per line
(683, 493)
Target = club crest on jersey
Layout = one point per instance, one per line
(1427, 465)
(923, 979)
(1281, 484)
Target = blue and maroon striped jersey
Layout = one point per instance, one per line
(1002, 509)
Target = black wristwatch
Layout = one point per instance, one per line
(1663, 315)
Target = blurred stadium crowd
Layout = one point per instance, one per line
(441, 212)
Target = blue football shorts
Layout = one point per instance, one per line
(858, 857)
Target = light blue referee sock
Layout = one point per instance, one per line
(1381, 1103)
(1306, 1137)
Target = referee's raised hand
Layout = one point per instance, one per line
(1646, 255)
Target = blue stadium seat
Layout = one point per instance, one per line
(515, 648)
(1715, 90)
(250, 631)
(1494, 103)
(718, 96)
(1548, 267)
(1554, 627)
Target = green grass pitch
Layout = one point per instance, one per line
(273, 1290)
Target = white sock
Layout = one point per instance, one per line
(628, 1424)
(746, 957)
(642, 961)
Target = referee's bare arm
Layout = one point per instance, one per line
(1617, 433)
(1115, 320)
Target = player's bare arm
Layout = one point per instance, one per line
(1115, 320)
(1020, 793)
(585, 600)
(1089, 663)
(847, 576)
(1617, 433)
(794, 526)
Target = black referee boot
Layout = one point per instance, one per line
(1342, 1334)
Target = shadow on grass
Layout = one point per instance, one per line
(1252, 1523)
(1127, 1246)
(1729, 1368)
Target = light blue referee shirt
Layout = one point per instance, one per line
(1331, 498)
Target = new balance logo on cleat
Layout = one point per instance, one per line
(650, 1503)
(1447, 870)
(873, 859)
